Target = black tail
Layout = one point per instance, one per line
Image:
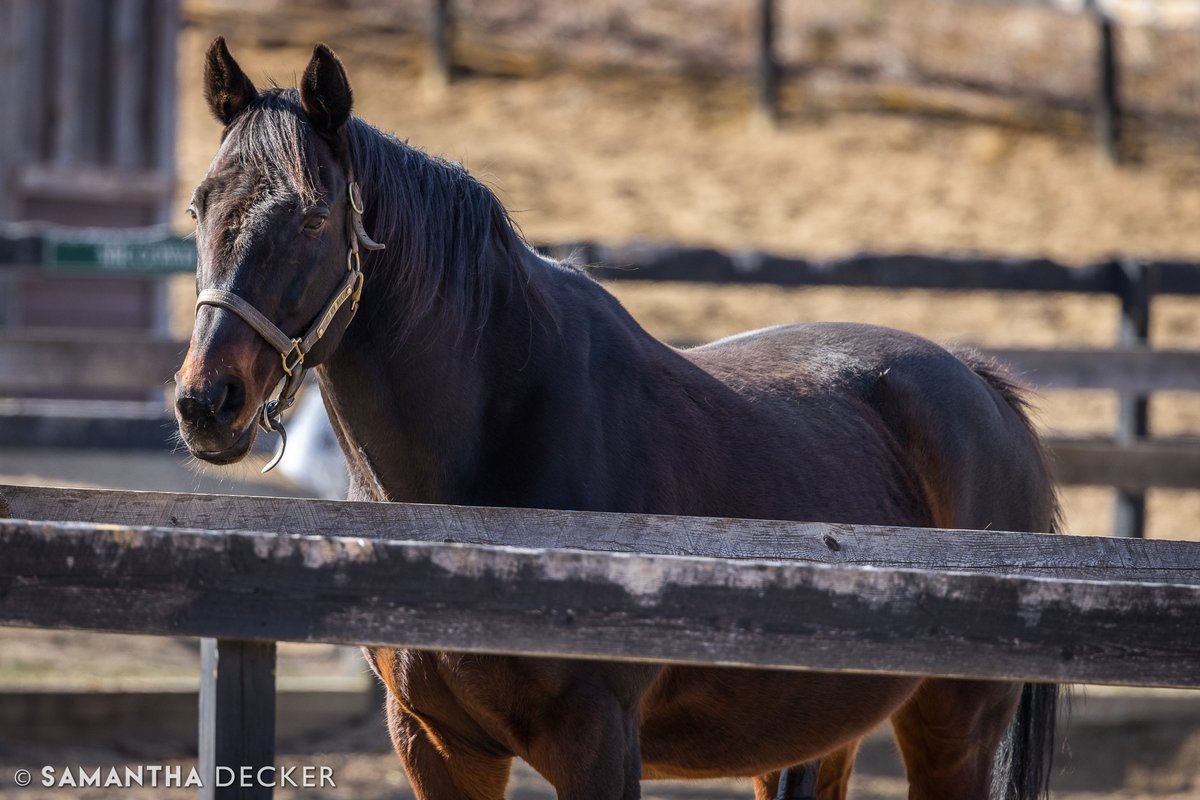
(1023, 764)
(1026, 756)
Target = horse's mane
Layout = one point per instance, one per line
(447, 234)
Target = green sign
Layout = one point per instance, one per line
(94, 254)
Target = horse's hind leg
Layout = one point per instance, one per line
(948, 735)
(833, 777)
(437, 773)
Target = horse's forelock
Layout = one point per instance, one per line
(273, 137)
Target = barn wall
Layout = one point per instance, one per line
(90, 90)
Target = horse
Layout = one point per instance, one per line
(460, 366)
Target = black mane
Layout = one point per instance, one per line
(447, 234)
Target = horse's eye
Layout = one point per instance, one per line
(314, 223)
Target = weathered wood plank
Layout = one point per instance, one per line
(94, 184)
(128, 74)
(1133, 413)
(13, 27)
(768, 63)
(440, 45)
(576, 604)
(1134, 370)
(1130, 466)
(110, 361)
(659, 262)
(69, 125)
(1108, 94)
(1078, 557)
(166, 31)
(666, 262)
(86, 360)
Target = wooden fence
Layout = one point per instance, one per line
(769, 70)
(246, 572)
(1129, 461)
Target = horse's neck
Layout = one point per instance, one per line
(448, 418)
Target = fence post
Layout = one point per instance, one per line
(441, 57)
(1133, 413)
(768, 65)
(237, 716)
(1108, 100)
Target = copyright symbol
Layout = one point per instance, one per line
(22, 777)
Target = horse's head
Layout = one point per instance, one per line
(278, 231)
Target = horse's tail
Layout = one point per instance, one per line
(1026, 756)
(1001, 380)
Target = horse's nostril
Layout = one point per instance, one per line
(231, 399)
(220, 402)
(190, 409)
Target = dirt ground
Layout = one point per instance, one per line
(1134, 761)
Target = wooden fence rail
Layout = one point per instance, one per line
(398, 584)
(578, 604)
(61, 359)
(1071, 557)
(702, 591)
(1131, 462)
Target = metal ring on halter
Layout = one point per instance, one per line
(355, 202)
(270, 421)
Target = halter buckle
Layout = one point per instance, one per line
(297, 358)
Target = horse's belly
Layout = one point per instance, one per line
(710, 722)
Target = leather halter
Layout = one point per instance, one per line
(293, 350)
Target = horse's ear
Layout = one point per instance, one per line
(226, 88)
(325, 92)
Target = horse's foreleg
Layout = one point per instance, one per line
(437, 772)
(949, 733)
(587, 747)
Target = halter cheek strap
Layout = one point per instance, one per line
(293, 350)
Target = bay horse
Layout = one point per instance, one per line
(459, 366)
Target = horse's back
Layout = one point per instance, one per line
(959, 423)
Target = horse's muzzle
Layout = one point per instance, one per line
(208, 415)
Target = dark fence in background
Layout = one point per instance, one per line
(52, 363)
(769, 70)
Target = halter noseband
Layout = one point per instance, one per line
(292, 350)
